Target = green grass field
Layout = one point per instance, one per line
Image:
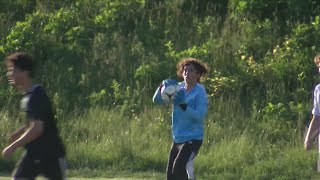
(118, 147)
(77, 175)
(79, 178)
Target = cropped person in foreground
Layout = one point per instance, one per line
(190, 105)
(45, 152)
(314, 125)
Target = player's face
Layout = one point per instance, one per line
(190, 75)
(15, 75)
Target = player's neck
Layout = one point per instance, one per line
(27, 86)
(189, 86)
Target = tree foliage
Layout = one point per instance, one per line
(258, 51)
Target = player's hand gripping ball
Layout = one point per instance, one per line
(178, 97)
(168, 90)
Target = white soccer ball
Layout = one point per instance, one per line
(168, 92)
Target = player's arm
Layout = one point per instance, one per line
(313, 130)
(157, 99)
(34, 130)
(199, 112)
(15, 135)
(200, 109)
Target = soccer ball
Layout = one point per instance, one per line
(167, 93)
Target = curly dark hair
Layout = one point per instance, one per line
(201, 68)
(21, 60)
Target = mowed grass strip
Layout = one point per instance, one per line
(79, 178)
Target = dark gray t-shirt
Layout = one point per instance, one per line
(37, 106)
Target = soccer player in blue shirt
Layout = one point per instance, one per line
(190, 105)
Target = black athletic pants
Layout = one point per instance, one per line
(51, 168)
(180, 155)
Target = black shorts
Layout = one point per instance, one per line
(51, 168)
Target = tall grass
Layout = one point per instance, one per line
(105, 142)
(104, 139)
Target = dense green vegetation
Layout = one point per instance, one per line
(101, 61)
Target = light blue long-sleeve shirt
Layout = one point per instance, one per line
(188, 125)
